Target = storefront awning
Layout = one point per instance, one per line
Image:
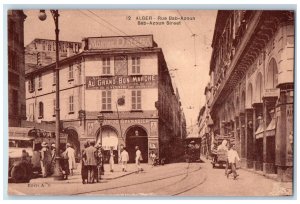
(260, 131)
(270, 131)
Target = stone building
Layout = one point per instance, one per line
(16, 70)
(124, 78)
(41, 52)
(252, 86)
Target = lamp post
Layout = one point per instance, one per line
(57, 170)
(100, 117)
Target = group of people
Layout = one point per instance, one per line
(47, 160)
(93, 161)
(232, 158)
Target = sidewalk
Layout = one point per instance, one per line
(282, 186)
(76, 178)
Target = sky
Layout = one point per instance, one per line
(189, 56)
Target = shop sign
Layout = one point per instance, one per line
(121, 82)
(120, 42)
(127, 121)
(271, 92)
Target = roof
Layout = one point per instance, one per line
(91, 53)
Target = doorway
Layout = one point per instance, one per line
(137, 136)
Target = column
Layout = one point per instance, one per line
(268, 142)
(284, 133)
(242, 139)
(257, 146)
(249, 137)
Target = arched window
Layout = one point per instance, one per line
(272, 76)
(41, 110)
(259, 87)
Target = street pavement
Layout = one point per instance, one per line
(177, 179)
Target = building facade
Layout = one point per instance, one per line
(41, 52)
(119, 77)
(252, 86)
(16, 70)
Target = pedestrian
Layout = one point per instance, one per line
(91, 161)
(233, 157)
(64, 164)
(138, 159)
(223, 150)
(111, 159)
(84, 170)
(124, 158)
(152, 157)
(44, 159)
(70, 152)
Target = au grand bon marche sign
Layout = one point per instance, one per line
(121, 82)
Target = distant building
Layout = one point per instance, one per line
(41, 52)
(252, 87)
(126, 79)
(16, 70)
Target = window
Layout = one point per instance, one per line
(106, 100)
(54, 78)
(136, 62)
(71, 104)
(136, 100)
(106, 65)
(41, 110)
(31, 112)
(71, 73)
(54, 105)
(31, 85)
(40, 82)
(49, 47)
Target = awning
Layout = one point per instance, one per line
(270, 131)
(260, 131)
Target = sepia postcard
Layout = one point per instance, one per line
(150, 102)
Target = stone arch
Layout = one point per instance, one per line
(272, 75)
(73, 139)
(137, 135)
(109, 137)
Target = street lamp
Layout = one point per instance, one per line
(57, 170)
(100, 117)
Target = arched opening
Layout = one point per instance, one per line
(259, 87)
(74, 142)
(108, 139)
(272, 75)
(137, 136)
